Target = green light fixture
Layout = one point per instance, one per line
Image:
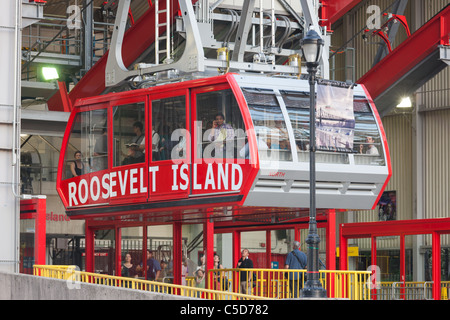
(49, 73)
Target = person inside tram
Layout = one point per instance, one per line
(371, 149)
(220, 131)
(133, 155)
(165, 143)
(280, 136)
(155, 145)
(77, 167)
(263, 145)
(139, 139)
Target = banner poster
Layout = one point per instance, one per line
(335, 120)
(387, 206)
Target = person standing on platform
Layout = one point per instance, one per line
(246, 276)
(295, 260)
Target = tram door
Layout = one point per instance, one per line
(128, 175)
(169, 170)
(219, 141)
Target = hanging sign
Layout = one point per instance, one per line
(335, 120)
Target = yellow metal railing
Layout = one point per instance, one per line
(410, 290)
(282, 283)
(74, 276)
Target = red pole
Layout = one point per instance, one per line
(118, 232)
(331, 249)
(436, 256)
(40, 233)
(374, 263)
(177, 251)
(89, 249)
(208, 249)
(144, 251)
(236, 257)
(268, 249)
(331, 240)
(343, 252)
(402, 265)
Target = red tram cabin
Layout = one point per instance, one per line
(154, 150)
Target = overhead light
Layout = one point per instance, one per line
(49, 73)
(405, 103)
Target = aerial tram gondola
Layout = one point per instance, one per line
(234, 143)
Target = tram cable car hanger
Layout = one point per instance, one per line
(193, 62)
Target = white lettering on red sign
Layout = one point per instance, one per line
(94, 189)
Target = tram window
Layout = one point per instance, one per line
(169, 128)
(86, 150)
(297, 105)
(367, 142)
(220, 127)
(270, 127)
(129, 134)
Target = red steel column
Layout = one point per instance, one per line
(436, 256)
(331, 240)
(118, 240)
(374, 263)
(208, 248)
(402, 265)
(40, 233)
(177, 251)
(268, 249)
(89, 247)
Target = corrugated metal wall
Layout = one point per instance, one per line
(434, 109)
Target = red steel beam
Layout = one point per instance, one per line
(333, 10)
(395, 228)
(408, 54)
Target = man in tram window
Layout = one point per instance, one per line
(221, 132)
(155, 145)
(281, 136)
(371, 149)
(139, 139)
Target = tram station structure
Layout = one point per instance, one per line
(223, 92)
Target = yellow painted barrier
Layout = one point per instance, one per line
(287, 283)
(72, 275)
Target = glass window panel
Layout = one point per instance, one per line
(220, 127)
(169, 134)
(367, 141)
(80, 155)
(129, 134)
(270, 127)
(366, 134)
(38, 162)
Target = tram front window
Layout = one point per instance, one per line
(129, 134)
(220, 127)
(367, 141)
(87, 150)
(270, 127)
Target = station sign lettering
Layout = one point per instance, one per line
(99, 187)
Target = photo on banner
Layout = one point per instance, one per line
(335, 119)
